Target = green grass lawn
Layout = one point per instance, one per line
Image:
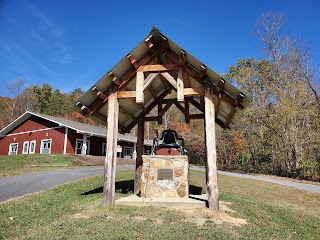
(75, 211)
(24, 163)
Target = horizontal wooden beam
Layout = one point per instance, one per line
(126, 94)
(193, 91)
(152, 119)
(157, 68)
(196, 116)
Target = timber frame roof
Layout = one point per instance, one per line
(148, 74)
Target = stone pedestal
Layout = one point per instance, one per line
(165, 176)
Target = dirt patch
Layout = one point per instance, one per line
(224, 215)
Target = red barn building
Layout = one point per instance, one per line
(43, 134)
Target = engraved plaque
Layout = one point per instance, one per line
(164, 173)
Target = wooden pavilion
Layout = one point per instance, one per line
(142, 81)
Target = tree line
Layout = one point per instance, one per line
(277, 134)
(42, 99)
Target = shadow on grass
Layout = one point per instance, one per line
(121, 187)
(195, 190)
(127, 186)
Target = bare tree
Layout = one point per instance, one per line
(13, 90)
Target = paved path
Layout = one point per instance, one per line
(304, 186)
(17, 186)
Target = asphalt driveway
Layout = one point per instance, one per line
(17, 186)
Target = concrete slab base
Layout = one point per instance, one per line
(194, 201)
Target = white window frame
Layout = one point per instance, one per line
(81, 140)
(10, 148)
(41, 146)
(34, 149)
(27, 148)
(124, 150)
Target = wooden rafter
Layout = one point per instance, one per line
(150, 42)
(202, 72)
(133, 61)
(234, 110)
(115, 80)
(182, 57)
(164, 44)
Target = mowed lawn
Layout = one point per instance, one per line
(26, 163)
(75, 211)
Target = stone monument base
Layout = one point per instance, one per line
(165, 176)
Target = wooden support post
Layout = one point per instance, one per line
(111, 151)
(180, 87)
(160, 110)
(211, 166)
(137, 180)
(139, 88)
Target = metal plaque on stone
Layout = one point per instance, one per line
(165, 173)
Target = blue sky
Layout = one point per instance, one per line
(73, 43)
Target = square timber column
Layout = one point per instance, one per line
(111, 151)
(140, 140)
(211, 166)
